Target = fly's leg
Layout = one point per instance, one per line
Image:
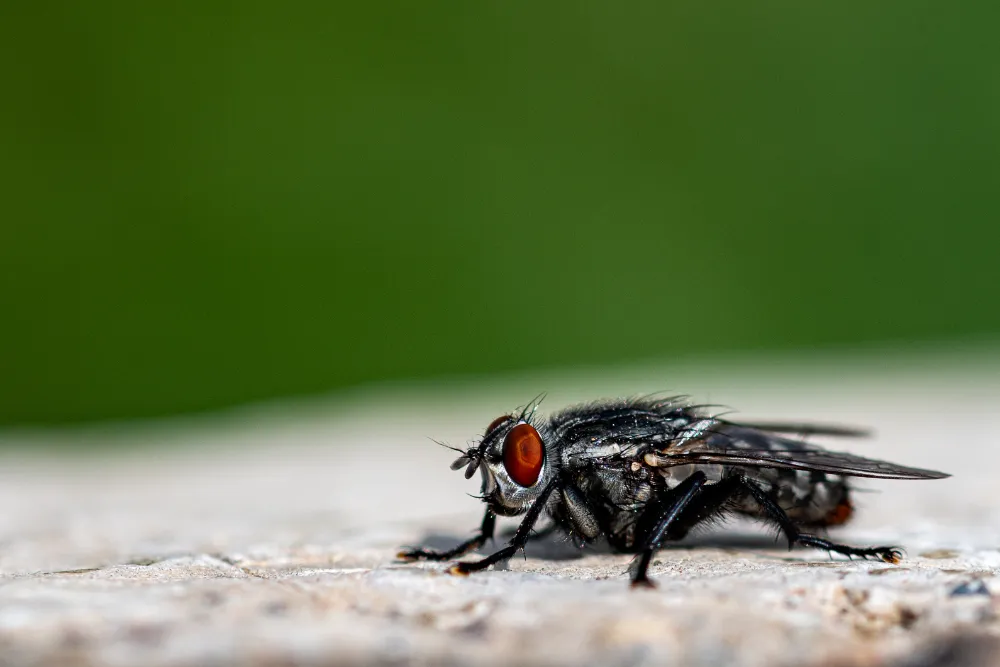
(539, 534)
(712, 498)
(693, 501)
(668, 510)
(888, 554)
(517, 542)
(485, 533)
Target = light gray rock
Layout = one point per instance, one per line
(268, 538)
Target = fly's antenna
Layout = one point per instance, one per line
(447, 446)
(467, 459)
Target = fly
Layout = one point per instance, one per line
(644, 471)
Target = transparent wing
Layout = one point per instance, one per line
(743, 446)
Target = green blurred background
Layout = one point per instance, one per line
(205, 204)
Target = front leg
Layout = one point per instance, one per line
(519, 540)
(540, 534)
(485, 533)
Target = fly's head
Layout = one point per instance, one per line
(514, 463)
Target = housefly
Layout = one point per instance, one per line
(640, 472)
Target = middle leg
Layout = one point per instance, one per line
(664, 513)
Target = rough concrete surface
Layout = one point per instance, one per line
(268, 538)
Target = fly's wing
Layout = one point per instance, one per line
(835, 430)
(742, 446)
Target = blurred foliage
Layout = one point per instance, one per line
(209, 203)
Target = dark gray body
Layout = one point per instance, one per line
(614, 458)
(643, 471)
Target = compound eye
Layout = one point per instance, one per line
(496, 423)
(523, 454)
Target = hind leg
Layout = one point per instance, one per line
(773, 511)
(693, 502)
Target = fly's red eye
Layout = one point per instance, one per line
(523, 454)
(495, 424)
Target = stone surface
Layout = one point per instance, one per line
(267, 537)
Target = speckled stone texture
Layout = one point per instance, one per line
(267, 537)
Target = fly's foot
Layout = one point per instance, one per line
(458, 570)
(413, 555)
(643, 583)
(465, 568)
(461, 569)
(891, 555)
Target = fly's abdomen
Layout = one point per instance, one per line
(808, 497)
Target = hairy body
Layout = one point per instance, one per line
(640, 472)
